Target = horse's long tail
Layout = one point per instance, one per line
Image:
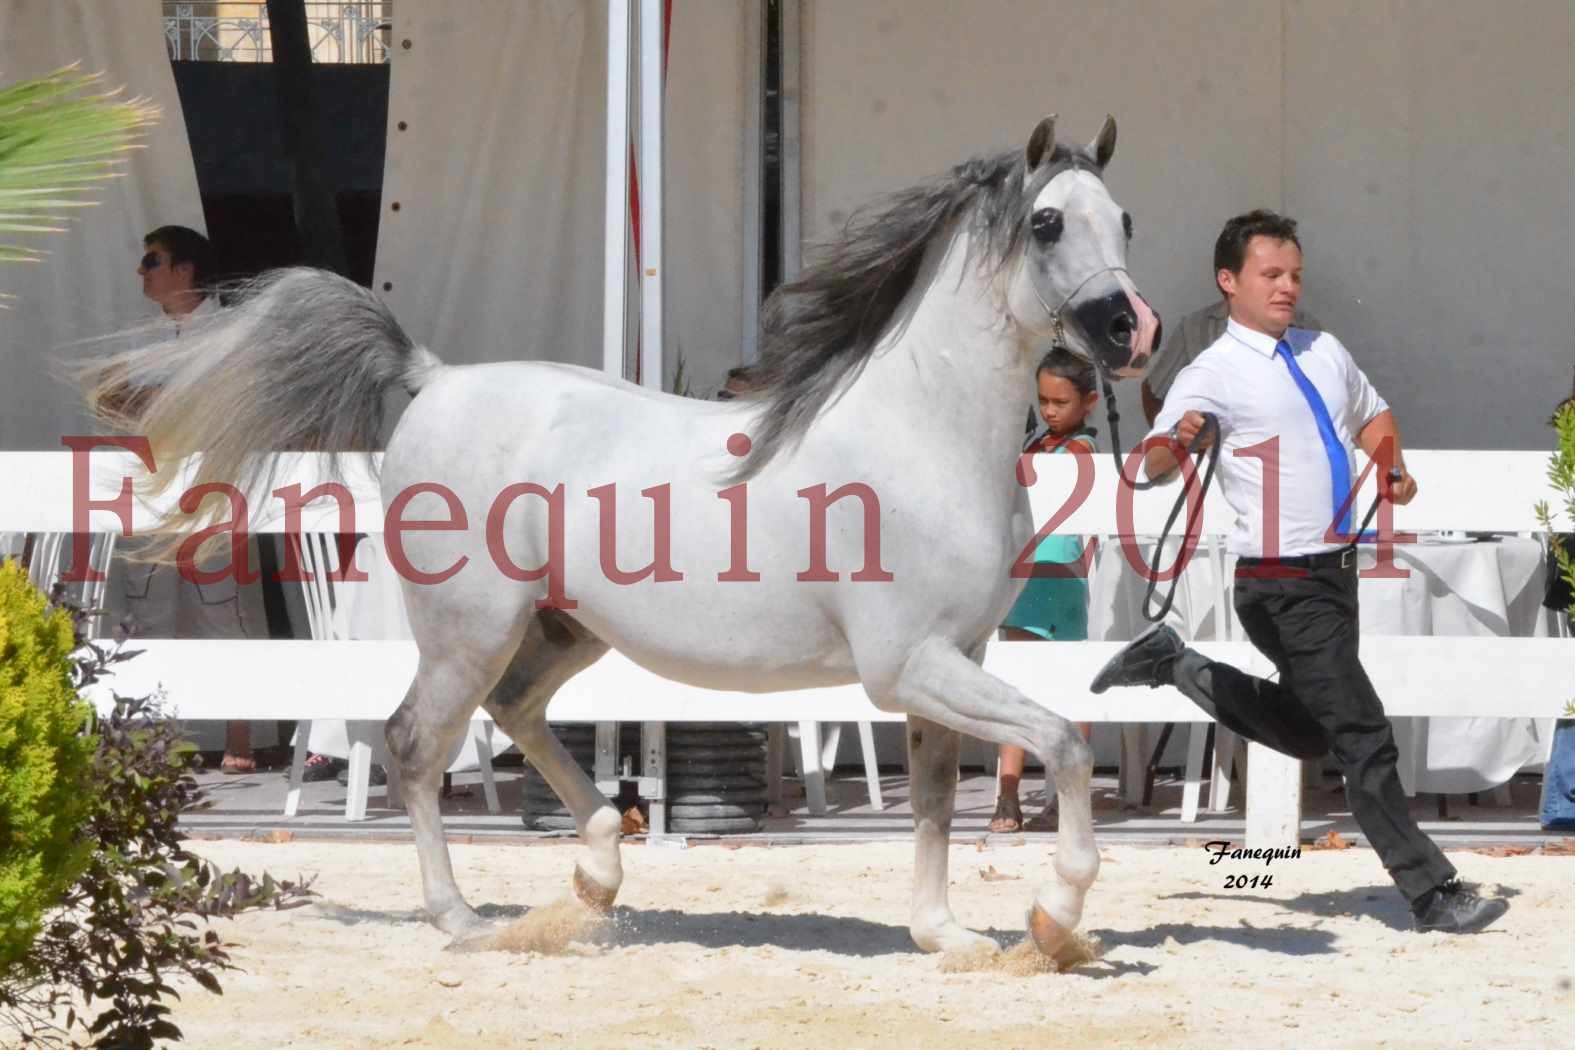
(299, 362)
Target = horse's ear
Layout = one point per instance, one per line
(1104, 144)
(1041, 144)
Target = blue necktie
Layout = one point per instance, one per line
(1339, 464)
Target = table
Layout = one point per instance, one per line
(1474, 588)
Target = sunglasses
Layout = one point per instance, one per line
(151, 261)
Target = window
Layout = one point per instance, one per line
(355, 31)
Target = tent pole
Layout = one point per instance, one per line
(792, 65)
(651, 174)
(615, 274)
(754, 168)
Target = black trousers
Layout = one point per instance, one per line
(1307, 623)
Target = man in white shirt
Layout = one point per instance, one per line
(175, 268)
(1291, 403)
(1197, 332)
(175, 263)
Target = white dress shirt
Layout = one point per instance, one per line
(1241, 380)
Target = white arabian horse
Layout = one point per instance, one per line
(899, 365)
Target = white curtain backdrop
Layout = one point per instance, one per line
(87, 284)
(495, 164)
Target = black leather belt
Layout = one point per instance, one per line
(1339, 558)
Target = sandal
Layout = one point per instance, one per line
(1047, 819)
(1008, 816)
(320, 767)
(237, 765)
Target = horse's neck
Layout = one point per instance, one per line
(952, 363)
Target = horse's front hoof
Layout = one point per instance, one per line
(593, 894)
(1063, 947)
(1050, 937)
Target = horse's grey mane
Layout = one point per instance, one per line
(820, 328)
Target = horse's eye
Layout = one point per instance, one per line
(1126, 223)
(1046, 224)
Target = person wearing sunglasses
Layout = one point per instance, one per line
(175, 265)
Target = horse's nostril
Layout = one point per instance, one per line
(1121, 327)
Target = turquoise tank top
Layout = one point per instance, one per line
(1055, 608)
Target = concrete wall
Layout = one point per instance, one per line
(1424, 144)
(1429, 146)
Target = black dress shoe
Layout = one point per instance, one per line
(1456, 908)
(1149, 659)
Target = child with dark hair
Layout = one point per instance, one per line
(1051, 607)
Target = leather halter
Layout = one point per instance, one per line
(1073, 160)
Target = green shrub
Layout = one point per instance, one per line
(128, 922)
(1561, 478)
(45, 762)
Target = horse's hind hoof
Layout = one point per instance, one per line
(953, 938)
(593, 894)
(474, 938)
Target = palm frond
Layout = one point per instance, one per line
(60, 135)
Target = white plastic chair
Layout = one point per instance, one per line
(319, 557)
(44, 569)
(816, 754)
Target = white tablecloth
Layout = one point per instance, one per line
(1482, 588)
(1473, 588)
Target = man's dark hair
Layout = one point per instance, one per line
(184, 245)
(1230, 250)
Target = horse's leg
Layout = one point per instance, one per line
(422, 734)
(554, 650)
(938, 683)
(932, 776)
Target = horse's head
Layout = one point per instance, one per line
(1072, 285)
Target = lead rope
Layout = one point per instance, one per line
(1211, 428)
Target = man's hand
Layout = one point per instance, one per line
(1399, 492)
(1187, 432)
(1163, 459)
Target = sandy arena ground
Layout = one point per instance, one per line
(807, 946)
